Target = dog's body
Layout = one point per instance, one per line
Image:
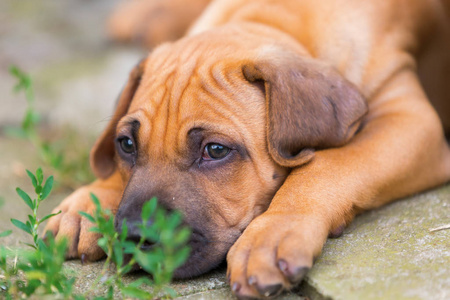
(222, 125)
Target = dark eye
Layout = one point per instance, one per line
(215, 152)
(127, 145)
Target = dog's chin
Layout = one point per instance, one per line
(207, 252)
(204, 257)
(201, 260)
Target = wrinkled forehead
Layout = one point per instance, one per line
(185, 89)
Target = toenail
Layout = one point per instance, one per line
(244, 297)
(283, 266)
(337, 232)
(298, 275)
(270, 291)
(235, 287)
(252, 280)
(83, 258)
(295, 275)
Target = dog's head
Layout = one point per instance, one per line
(211, 125)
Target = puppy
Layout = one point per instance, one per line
(270, 125)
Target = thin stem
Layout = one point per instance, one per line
(99, 276)
(36, 222)
(133, 259)
(29, 94)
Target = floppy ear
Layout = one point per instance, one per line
(102, 154)
(309, 105)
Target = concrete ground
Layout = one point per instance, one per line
(388, 253)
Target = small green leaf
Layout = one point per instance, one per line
(57, 161)
(21, 225)
(47, 188)
(103, 243)
(118, 254)
(39, 175)
(87, 216)
(110, 293)
(143, 280)
(126, 268)
(14, 71)
(149, 260)
(182, 236)
(173, 220)
(5, 233)
(25, 198)
(148, 209)
(31, 245)
(123, 235)
(28, 120)
(35, 274)
(32, 220)
(33, 178)
(36, 117)
(129, 247)
(181, 256)
(15, 132)
(24, 80)
(171, 292)
(96, 201)
(95, 229)
(49, 216)
(29, 224)
(149, 233)
(38, 190)
(134, 292)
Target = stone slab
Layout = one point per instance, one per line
(390, 253)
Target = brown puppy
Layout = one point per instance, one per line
(270, 125)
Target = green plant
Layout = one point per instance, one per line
(31, 118)
(168, 253)
(32, 224)
(6, 232)
(66, 157)
(40, 271)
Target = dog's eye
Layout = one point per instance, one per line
(215, 151)
(127, 145)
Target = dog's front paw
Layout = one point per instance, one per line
(273, 254)
(71, 225)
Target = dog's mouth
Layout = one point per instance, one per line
(147, 246)
(202, 258)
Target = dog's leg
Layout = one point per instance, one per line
(71, 225)
(154, 21)
(400, 150)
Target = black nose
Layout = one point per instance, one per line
(133, 232)
(130, 211)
